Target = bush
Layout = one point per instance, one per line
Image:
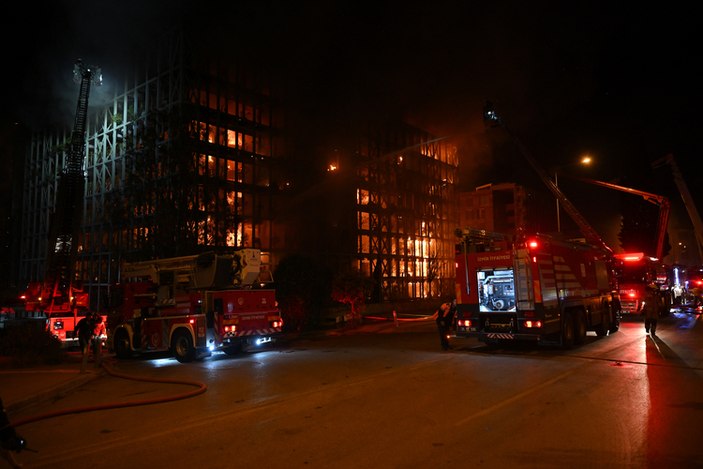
(28, 343)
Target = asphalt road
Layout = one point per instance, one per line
(391, 399)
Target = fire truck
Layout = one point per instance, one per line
(636, 270)
(59, 295)
(551, 291)
(193, 305)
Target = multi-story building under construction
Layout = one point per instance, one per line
(189, 157)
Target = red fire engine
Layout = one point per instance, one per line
(532, 288)
(635, 272)
(63, 309)
(191, 306)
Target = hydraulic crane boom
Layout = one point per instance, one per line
(664, 209)
(67, 216)
(586, 229)
(686, 197)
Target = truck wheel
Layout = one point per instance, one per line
(121, 345)
(579, 327)
(182, 347)
(604, 326)
(567, 330)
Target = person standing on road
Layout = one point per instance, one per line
(444, 319)
(650, 309)
(84, 329)
(99, 334)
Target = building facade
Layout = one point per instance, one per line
(190, 157)
(499, 208)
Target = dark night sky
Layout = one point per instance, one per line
(616, 79)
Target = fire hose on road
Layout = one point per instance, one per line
(200, 388)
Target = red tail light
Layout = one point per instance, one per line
(464, 322)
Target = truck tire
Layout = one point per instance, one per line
(567, 330)
(121, 344)
(182, 346)
(579, 327)
(604, 326)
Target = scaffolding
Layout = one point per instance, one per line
(189, 157)
(406, 213)
(183, 160)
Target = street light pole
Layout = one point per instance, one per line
(585, 161)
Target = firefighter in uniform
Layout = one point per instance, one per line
(444, 319)
(84, 330)
(99, 334)
(652, 302)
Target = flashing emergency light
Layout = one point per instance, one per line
(630, 256)
(532, 243)
(530, 324)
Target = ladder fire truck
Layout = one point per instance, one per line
(193, 305)
(685, 197)
(687, 281)
(637, 270)
(59, 295)
(534, 287)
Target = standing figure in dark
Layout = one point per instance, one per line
(84, 329)
(99, 334)
(445, 317)
(652, 301)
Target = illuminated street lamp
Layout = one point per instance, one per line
(585, 161)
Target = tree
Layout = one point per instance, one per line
(302, 291)
(350, 288)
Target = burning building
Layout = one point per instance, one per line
(190, 156)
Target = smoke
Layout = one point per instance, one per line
(49, 37)
(565, 76)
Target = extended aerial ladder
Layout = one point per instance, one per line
(589, 233)
(661, 201)
(686, 197)
(65, 223)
